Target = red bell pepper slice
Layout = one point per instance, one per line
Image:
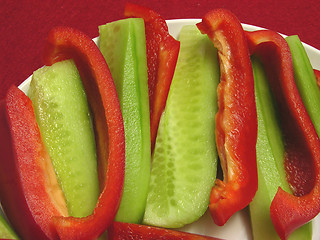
(24, 185)
(131, 231)
(302, 144)
(236, 120)
(65, 43)
(162, 55)
(25, 159)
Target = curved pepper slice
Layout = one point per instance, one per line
(65, 43)
(236, 120)
(26, 185)
(302, 144)
(131, 231)
(162, 55)
(28, 194)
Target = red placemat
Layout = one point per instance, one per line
(24, 25)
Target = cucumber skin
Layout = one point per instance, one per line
(179, 196)
(123, 45)
(63, 116)
(6, 232)
(270, 163)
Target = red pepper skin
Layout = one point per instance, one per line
(131, 231)
(23, 174)
(236, 120)
(65, 43)
(23, 184)
(317, 74)
(162, 55)
(302, 144)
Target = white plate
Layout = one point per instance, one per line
(238, 227)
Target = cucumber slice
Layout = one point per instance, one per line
(123, 45)
(6, 232)
(185, 156)
(270, 162)
(63, 116)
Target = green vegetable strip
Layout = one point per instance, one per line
(63, 114)
(185, 157)
(270, 162)
(6, 232)
(305, 80)
(123, 45)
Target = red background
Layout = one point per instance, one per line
(24, 25)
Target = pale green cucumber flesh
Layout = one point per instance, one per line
(185, 157)
(63, 116)
(270, 163)
(305, 80)
(123, 45)
(6, 232)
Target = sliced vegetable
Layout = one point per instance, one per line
(305, 80)
(236, 120)
(185, 158)
(129, 231)
(123, 45)
(63, 116)
(6, 232)
(162, 55)
(29, 192)
(65, 43)
(302, 145)
(270, 162)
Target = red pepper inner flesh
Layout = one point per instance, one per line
(299, 168)
(236, 120)
(30, 193)
(298, 159)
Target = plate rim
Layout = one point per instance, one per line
(312, 52)
(174, 26)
